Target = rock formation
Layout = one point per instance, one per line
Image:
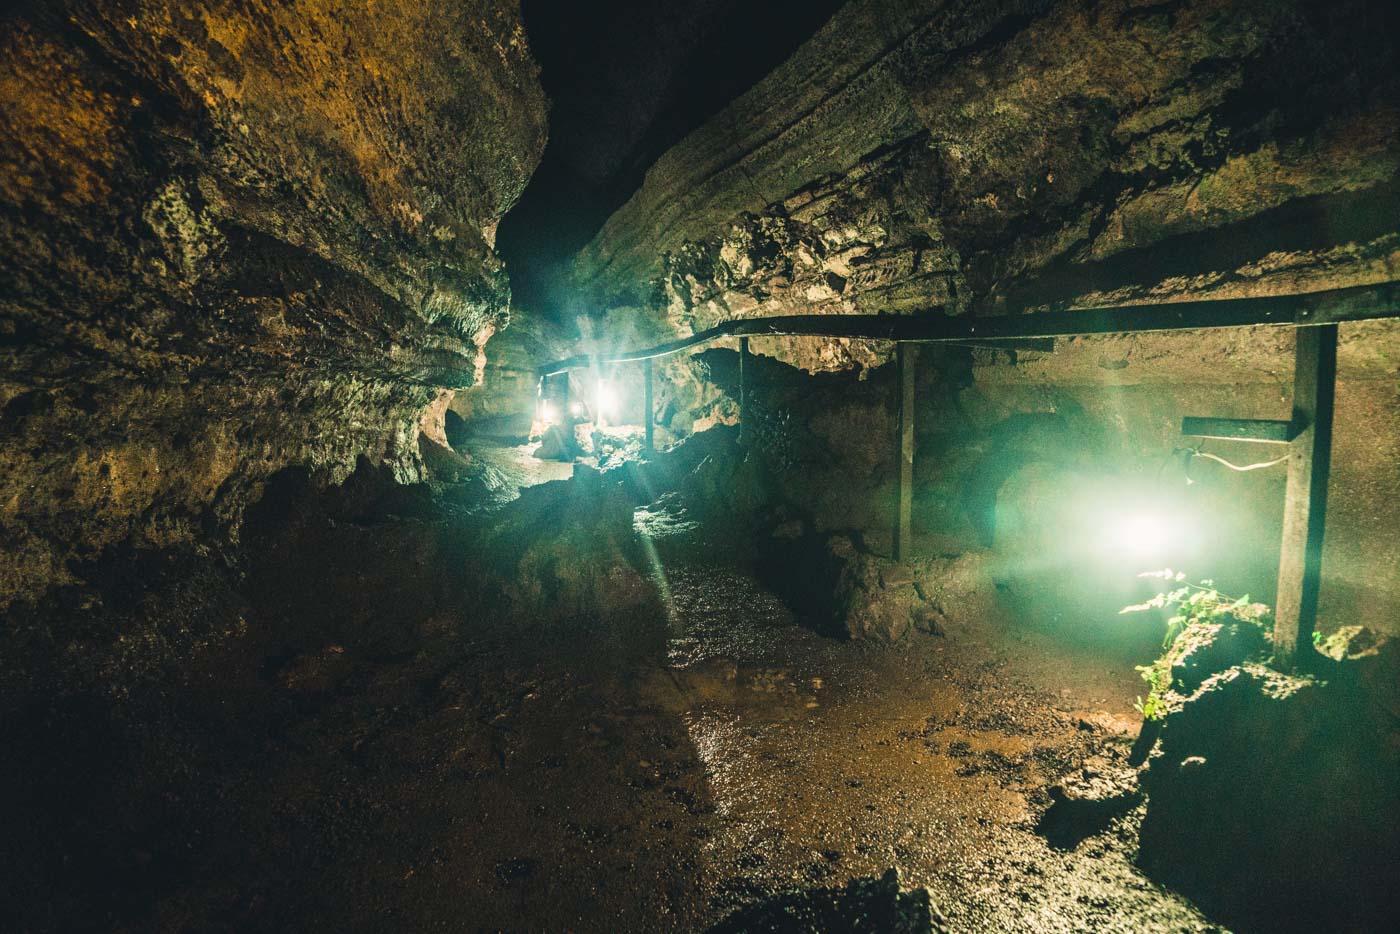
(1019, 156)
(1016, 154)
(237, 237)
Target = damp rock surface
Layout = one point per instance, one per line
(1258, 770)
(236, 238)
(914, 155)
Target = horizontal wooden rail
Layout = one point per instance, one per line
(1264, 430)
(1358, 303)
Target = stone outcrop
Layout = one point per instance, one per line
(878, 598)
(1022, 154)
(1272, 799)
(237, 237)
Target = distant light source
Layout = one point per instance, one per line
(606, 400)
(548, 415)
(576, 408)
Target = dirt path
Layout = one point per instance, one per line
(828, 760)
(432, 768)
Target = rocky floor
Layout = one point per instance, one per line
(430, 768)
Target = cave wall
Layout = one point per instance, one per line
(1025, 154)
(1022, 156)
(233, 237)
(1115, 406)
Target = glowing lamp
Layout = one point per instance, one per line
(1142, 535)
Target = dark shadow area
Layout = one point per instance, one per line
(627, 80)
(1274, 801)
(863, 905)
(386, 706)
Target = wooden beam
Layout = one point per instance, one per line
(648, 418)
(1305, 506)
(906, 359)
(1264, 430)
(1041, 344)
(743, 387)
(1358, 303)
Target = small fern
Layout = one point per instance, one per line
(1189, 604)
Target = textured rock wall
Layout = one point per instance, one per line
(1018, 154)
(233, 237)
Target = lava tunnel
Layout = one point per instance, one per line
(809, 465)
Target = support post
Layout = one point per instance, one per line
(743, 386)
(906, 356)
(648, 419)
(565, 404)
(1305, 504)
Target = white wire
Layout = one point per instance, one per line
(1222, 460)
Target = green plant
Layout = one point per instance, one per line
(1160, 679)
(1188, 603)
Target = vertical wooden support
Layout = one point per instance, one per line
(906, 356)
(743, 386)
(647, 418)
(565, 403)
(1305, 506)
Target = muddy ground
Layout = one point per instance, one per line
(387, 755)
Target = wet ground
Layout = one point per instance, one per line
(572, 783)
(415, 764)
(826, 760)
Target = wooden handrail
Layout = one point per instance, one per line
(1335, 306)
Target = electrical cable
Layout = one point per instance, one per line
(1258, 466)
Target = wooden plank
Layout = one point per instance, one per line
(1305, 506)
(743, 386)
(1358, 303)
(906, 359)
(1264, 430)
(648, 417)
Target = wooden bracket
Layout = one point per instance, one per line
(744, 366)
(1264, 430)
(1309, 437)
(648, 417)
(906, 357)
(1305, 503)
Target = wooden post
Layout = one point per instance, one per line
(1305, 505)
(647, 411)
(743, 386)
(906, 356)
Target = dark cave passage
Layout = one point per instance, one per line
(627, 80)
(1030, 563)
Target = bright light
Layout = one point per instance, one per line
(606, 401)
(1142, 534)
(547, 413)
(576, 408)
